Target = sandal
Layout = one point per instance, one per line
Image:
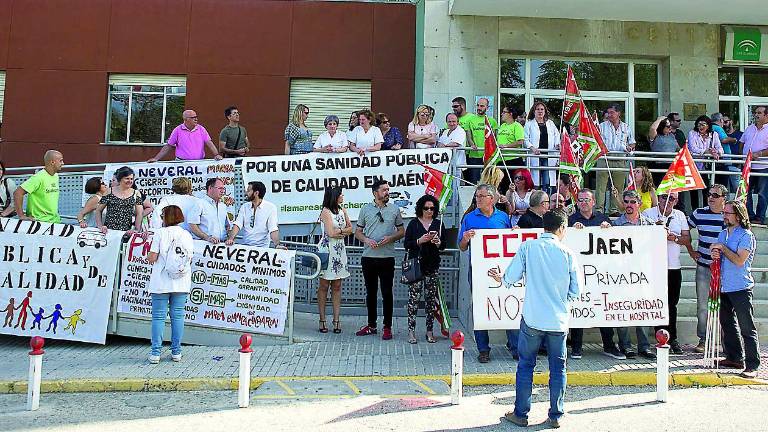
(431, 338)
(336, 326)
(411, 338)
(323, 328)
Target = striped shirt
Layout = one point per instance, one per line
(709, 224)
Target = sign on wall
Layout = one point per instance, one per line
(296, 184)
(56, 280)
(623, 270)
(233, 287)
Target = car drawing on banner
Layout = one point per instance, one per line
(91, 238)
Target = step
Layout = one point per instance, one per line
(687, 308)
(688, 291)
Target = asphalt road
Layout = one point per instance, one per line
(588, 408)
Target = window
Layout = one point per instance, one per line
(741, 89)
(325, 97)
(144, 109)
(633, 85)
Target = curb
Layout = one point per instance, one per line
(710, 379)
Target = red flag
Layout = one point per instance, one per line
(569, 166)
(632, 184)
(438, 185)
(592, 146)
(571, 102)
(682, 174)
(743, 189)
(492, 153)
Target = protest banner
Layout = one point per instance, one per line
(233, 287)
(623, 270)
(155, 179)
(295, 184)
(56, 280)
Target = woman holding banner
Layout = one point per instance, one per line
(336, 225)
(123, 207)
(425, 238)
(171, 280)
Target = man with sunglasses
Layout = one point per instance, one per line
(674, 123)
(532, 218)
(485, 216)
(379, 226)
(588, 217)
(755, 138)
(678, 234)
(188, 141)
(709, 222)
(257, 218)
(633, 217)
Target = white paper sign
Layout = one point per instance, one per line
(56, 280)
(234, 287)
(296, 184)
(155, 179)
(624, 271)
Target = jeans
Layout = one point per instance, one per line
(603, 183)
(674, 280)
(160, 308)
(761, 189)
(625, 343)
(702, 296)
(737, 306)
(530, 340)
(378, 271)
(483, 342)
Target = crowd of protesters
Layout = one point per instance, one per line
(502, 200)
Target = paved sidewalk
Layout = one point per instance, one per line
(321, 356)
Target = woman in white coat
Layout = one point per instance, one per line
(542, 134)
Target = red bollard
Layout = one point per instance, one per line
(662, 365)
(244, 384)
(457, 367)
(35, 372)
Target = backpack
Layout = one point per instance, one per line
(177, 261)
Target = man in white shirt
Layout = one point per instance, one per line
(619, 139)
(454, 137)
(213, 214)
(678, 234)
(257, 219)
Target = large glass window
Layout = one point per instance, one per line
(634, 85)
(144, 112)
(741, 89)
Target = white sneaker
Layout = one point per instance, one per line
(176, 357)
(154, 359)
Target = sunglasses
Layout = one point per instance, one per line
(455, 106)
(630, 201)
(714, 195)
(432, 208)
(667, 197)
(381, 217)
(519, 178)
(584, 200)
(384, 121)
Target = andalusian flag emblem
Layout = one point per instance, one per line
(592, 146)
(438, 184)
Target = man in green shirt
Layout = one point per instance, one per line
(43, 190)
(476, 130)
(233, 139)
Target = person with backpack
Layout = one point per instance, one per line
(171, 280)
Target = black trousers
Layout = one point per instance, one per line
(674, 280)
(378, 271)
(606, 334)
(738, 306)
(473, 174)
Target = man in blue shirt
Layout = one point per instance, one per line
(736, 249)
(485, 216)
(551, 283)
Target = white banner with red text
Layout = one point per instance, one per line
(234, 287)
(623, 270)
(56, 280)
(156, 179)
(296, 184)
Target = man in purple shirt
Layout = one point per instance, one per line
(189, 139)
(755, 138)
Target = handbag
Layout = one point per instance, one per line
(320, 250)
(411, 269)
